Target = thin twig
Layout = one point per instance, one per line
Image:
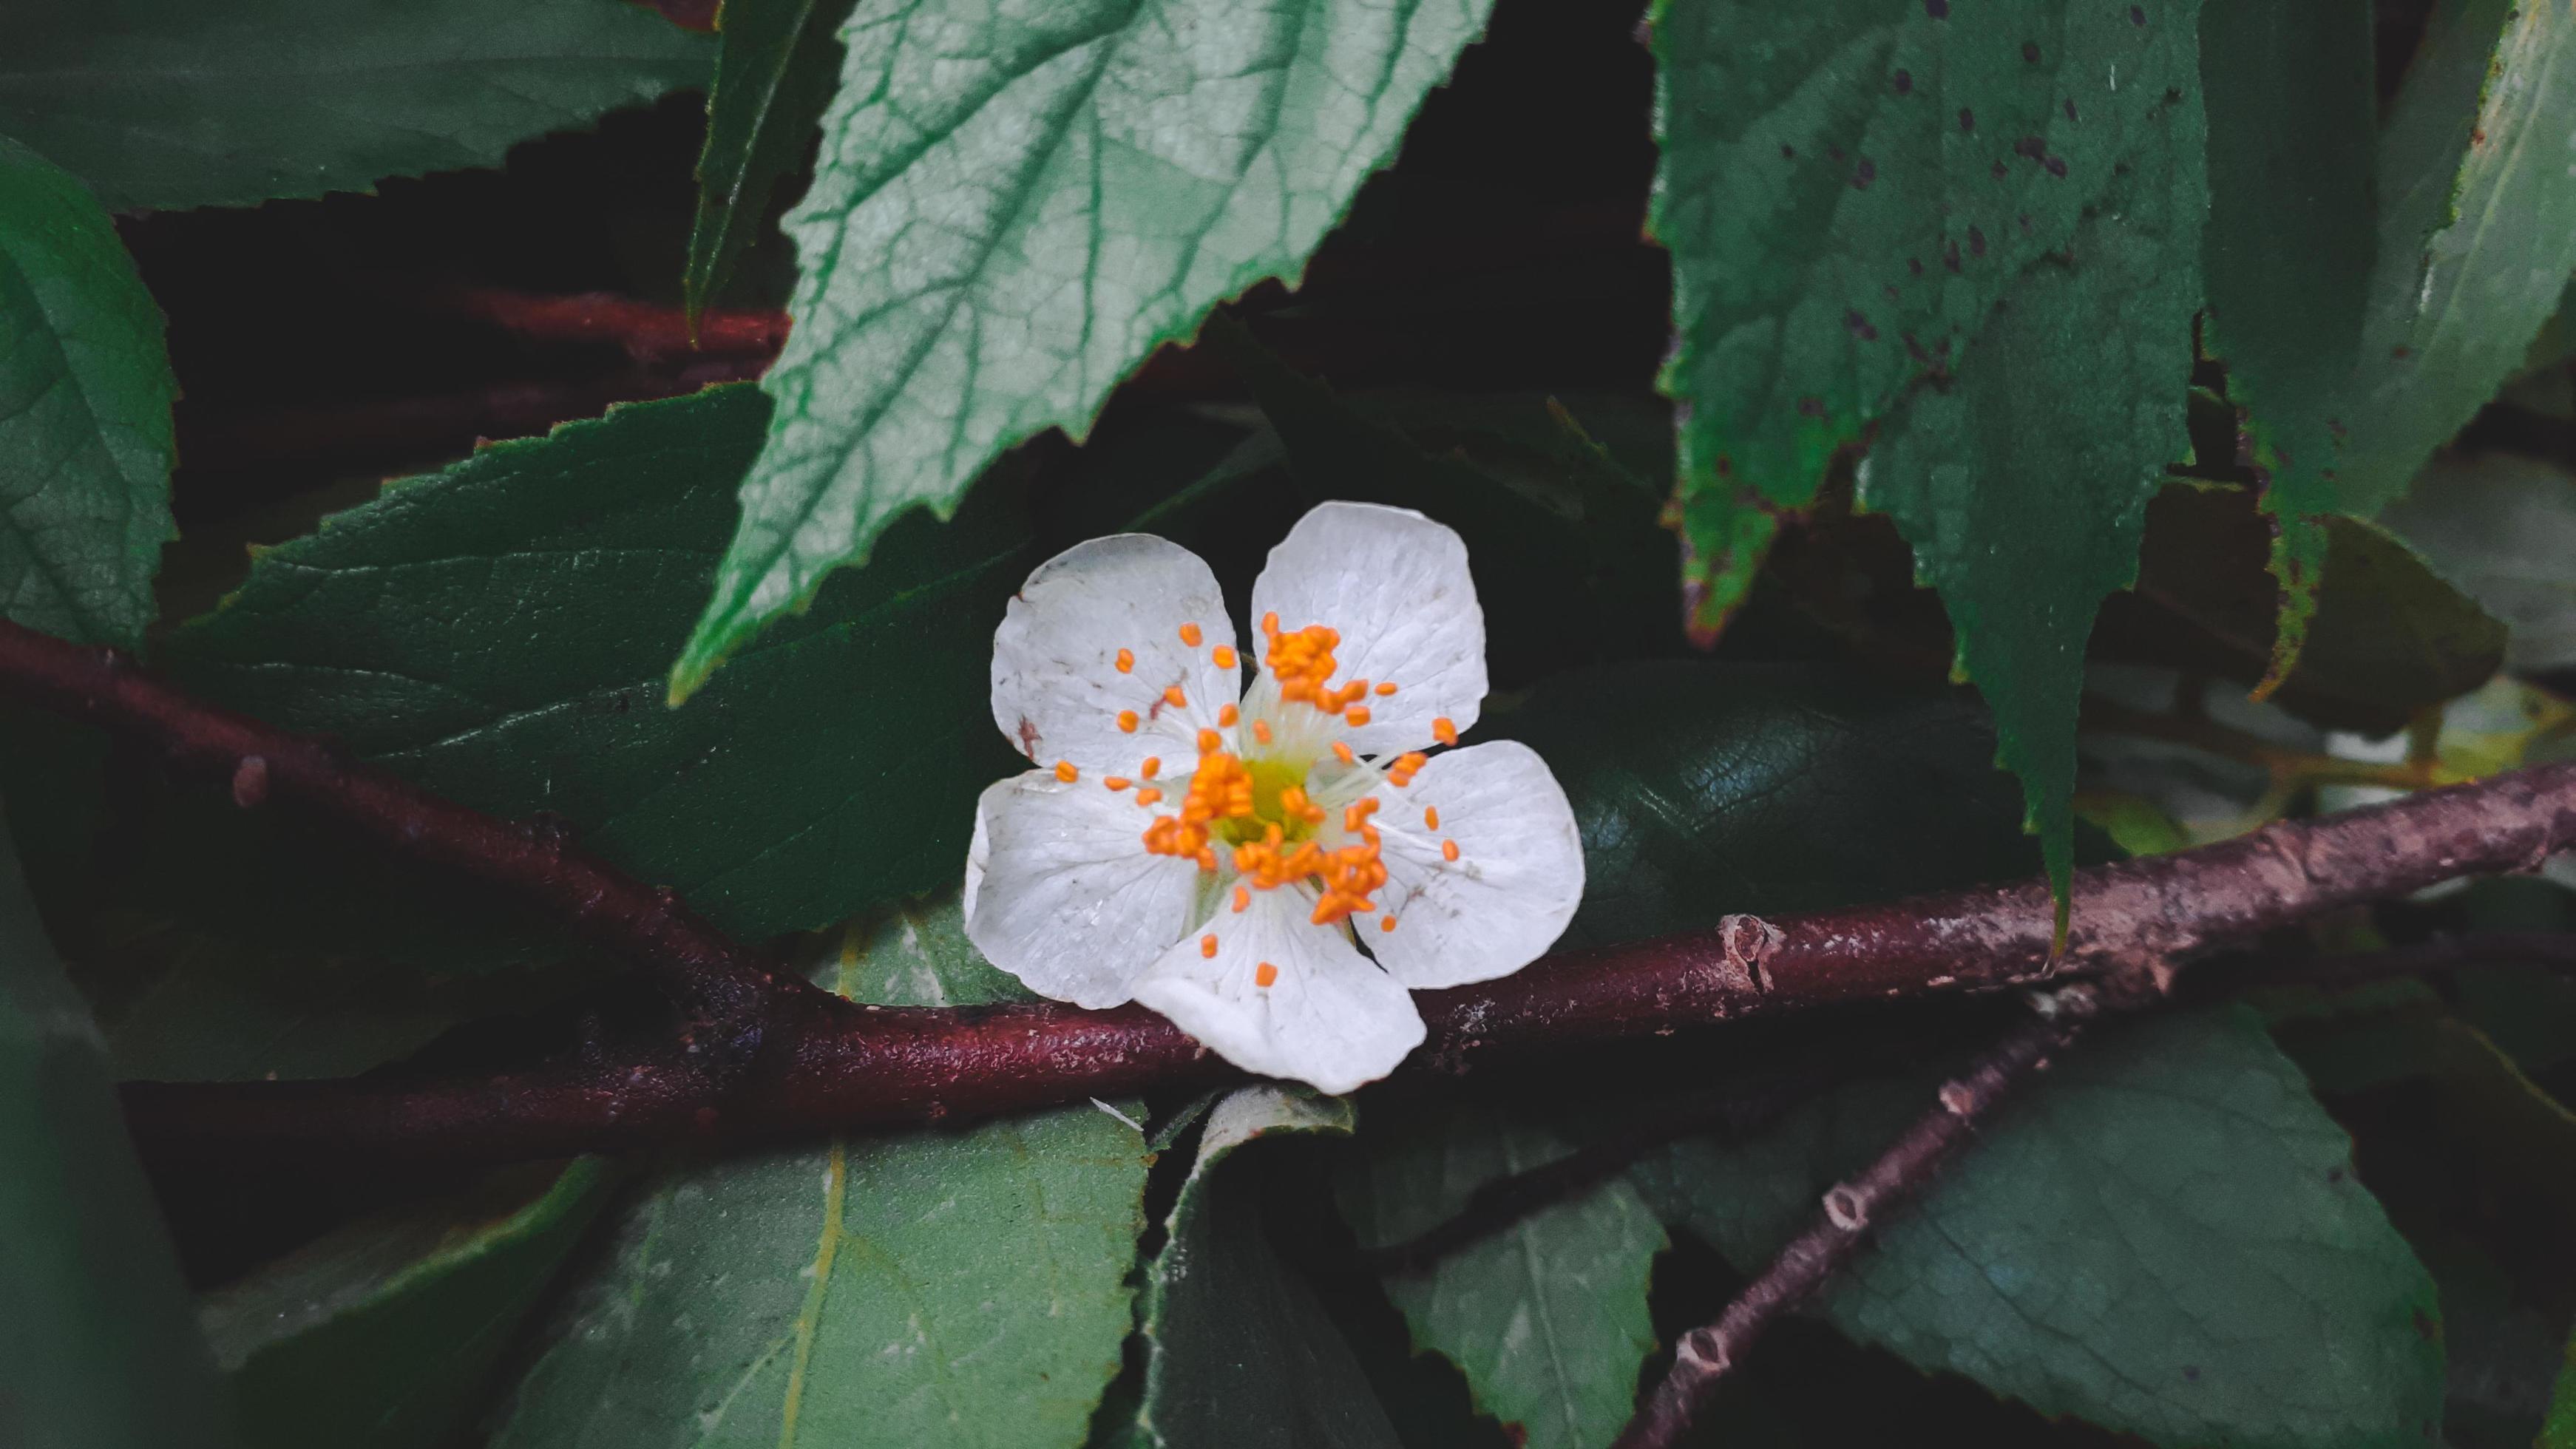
(648, 331)
(810, 1063)
(724, 984)
(1852, 1208)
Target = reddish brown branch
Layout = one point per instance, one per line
(721, 981)
(810, 1063)
(1851, 1209)
(648, 332)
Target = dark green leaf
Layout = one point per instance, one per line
(1705, 789)
(1244, 1354)
(384, 1332)
(2560, 1431)
(2164, 1237)
(2389, 636)
(776, 62)
(2476, 238)
(1547, 1315)
(496, 632)
(964, 1288)
(1848, 188)
(85, 394)
(165, 104)
(2504, 527)
(1529, 492)
(2293, 133)
(97, 1347)
(1010, 211)
(2023, 485)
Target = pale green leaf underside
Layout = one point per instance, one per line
(1012, 209)
(963, 1289)
(2164, 1238)
(85, 395)
(168, 103)
(1546, 1318)
(1847, 188)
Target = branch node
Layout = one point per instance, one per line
(1748, 941)
(1846, 1208)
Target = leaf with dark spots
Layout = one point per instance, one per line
(1766, 258)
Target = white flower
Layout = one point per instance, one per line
(1217, 855)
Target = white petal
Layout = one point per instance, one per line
(1517, 879)
(1067, 899)
(1395, 585)
(1330, 1017)
(1057, 688)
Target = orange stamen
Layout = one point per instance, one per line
(1387, 688)
(1356, 715)
(1342, 752)
(1207, 946)
(1242, 899)
(1400, 773)
(1127, 721)
(1264, 974)
(1190, 635)
(1126, 661)
(1149, 796)
(1210, 742)
(1175, 698)
(1386, 924)
(1153, 766)
(1224, 656)
(1228, 715)
(1444, 731)
(1449, 850)
(1065, 771)
(1261, 730)
(1117, 782)
(1430, 817)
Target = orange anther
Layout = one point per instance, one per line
(1356, 715)
(1387, 688)
(1342, 752)
(1153, 766)
(1264, 974)
(1065, 771)
(1210, 742)
(1151, 796)
(1430, 817)
(1207, 858)
(1228, 715)
(1449, 850)
(1224, 656)
(1242, 898)
(1175, 698)
(1117, 782)
(1386, 923)
(1207, 946)
(1270, 622)
(1127, 720)
(1444, 731)
(1190, 635)
(1261, 730)
(1126, 661)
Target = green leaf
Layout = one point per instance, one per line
(1243, 1352)
(85, 395)
(1707, 789)
(2476, 238)
(1011, 210)
(2293, 131)
(2023, 485)
(2164, 1237)
(1848, 188)
(2560, 1430)
(167, 104)
(2504, 527)
(385, 1332)
(952, 1288)
(2389, 636)
(97, 1347)
(776, 61)
(496, 633)
(1547, 1315)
